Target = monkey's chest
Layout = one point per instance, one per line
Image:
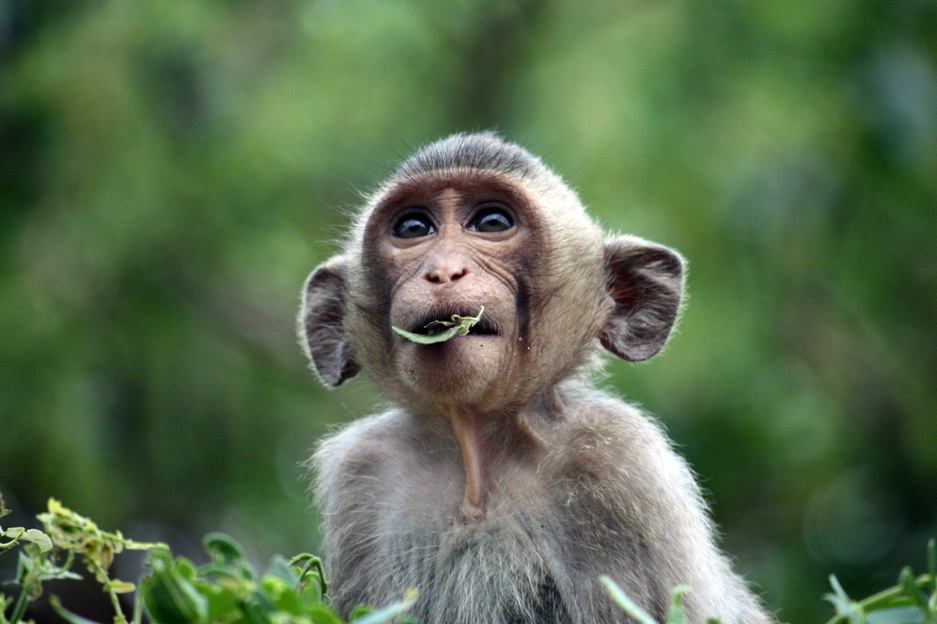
(489, 571)
(507, 486)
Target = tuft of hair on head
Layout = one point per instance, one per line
(483, 151)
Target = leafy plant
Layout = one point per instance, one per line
(30, 576)
(456, 326)
(51, 553)
(912, 601)
(229, 590)
(18, 534)
(175, 591)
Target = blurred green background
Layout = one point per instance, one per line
(170, 171)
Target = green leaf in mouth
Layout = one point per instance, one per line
(456, 326)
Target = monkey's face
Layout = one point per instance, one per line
(473, 221)
(451, 247)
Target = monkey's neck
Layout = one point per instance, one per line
(469, 434)
(481, 447)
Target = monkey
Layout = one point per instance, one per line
(501, 482)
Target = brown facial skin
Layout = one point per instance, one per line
(500, 482)
(510, 357)
(451, 249)
(462, 254)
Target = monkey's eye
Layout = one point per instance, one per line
(491, 219)
(414, 226)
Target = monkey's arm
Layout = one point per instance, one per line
(350, 471)
(633, 511)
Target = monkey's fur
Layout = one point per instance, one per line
(500, 483)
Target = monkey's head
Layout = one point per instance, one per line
(472, 221)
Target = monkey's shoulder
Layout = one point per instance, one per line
(361, 444)
(604, 428)
(606, 447)
(370, 451)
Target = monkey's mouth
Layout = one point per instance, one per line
(484, 327)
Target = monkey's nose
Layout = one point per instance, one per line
(446, 274)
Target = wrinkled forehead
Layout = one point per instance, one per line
(425, 186)
(543, 200)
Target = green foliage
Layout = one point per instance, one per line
(16, 534)
(457, 326)
(913, 600)
(175, 591)
(68, 535)
(229, 590)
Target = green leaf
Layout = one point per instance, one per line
(228, 558)
(255, 613)
(171, 598)
(320, 614)
(897, 615)
(137, 608)
(426, 339)
(309, 567)
(911, 589)
(389, 612)
(311, 593)
(458, 326)
(40, 539)
(845, 608)
(184, 568)
(121, 587)
(677, 612)
(282, 594)
(223, 571)
(223, 548)
(359, 612)
(224, 603)
(622, 600)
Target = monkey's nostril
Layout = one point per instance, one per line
(444, 276)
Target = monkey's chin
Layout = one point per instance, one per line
(464, 370)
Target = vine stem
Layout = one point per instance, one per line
(20, 609)
(119, 616)
(883, 597)
(311, 562)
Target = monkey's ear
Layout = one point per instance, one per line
(645, 282)
(321, 324)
